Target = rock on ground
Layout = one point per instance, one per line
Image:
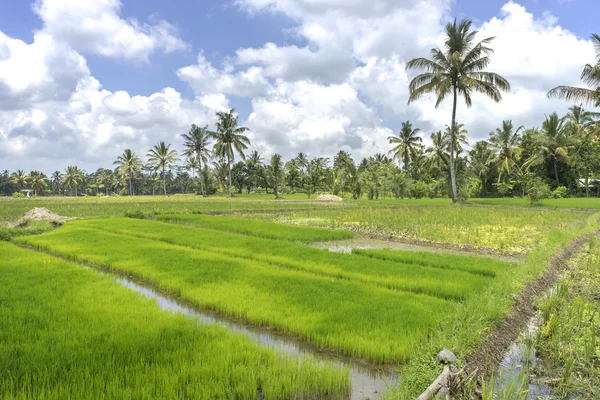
(328, 197)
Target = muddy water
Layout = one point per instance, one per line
(368, 381)
(517, 363)
(366, 243)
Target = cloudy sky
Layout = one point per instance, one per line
(81, 80)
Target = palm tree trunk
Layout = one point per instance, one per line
(406, 163)
(230, 182)
(587, 184)
(164, 181)
(452, 132)
(556, 171)
(130, 187)
(200, 176)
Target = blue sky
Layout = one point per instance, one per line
(295, 85)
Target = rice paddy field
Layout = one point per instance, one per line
(64, 317)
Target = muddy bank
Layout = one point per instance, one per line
(484, 360)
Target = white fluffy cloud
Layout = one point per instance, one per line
(96, 27)
(339, 84)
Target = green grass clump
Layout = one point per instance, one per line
(476, 265)
(354, 318)
(69, 332)
(261, 229)
(568, 341)
(449, 284)
(27, 227)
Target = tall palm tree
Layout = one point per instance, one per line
(229, 138)
(38, 181)
(457, 70)
(19, 178)
(405, 144)
(192, 164)
(579, 121)
(481, 160)
(56, 180)
(437, 155)
(106, 179)
(73, 177)
(553, 144)
(505, 143)
(129, 165)
(302, 159)
(197, 145)
(590, 76)
(160, 157)
(275, 173)
(460, 138)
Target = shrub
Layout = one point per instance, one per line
(420, 189)
(123, 192)
(537, 191)
(18, 195)
(138, 214)
(559, 193)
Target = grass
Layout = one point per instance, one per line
(581, 203)
(474, 265)
(69, 332)
(503, 229)
(26, 227)
(464, 327)
(267, 230)
(414, 277)
(569, 345)
(352, 317)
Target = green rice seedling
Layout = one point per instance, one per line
(261, 229)
(354, 318)
(475, 265)
(67, 332)
(418, 278)
(501, 229)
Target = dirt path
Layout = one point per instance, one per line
(484, 360)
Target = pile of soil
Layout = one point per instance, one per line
(328, 197)
(43, 213)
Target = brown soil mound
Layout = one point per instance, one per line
(328, 197)
(44, 213)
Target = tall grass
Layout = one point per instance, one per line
(354, 318)
(67, 332)
(261, 229)
(414, 276)
(496, 228)
(464, 326)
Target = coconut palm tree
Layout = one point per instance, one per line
(457, 70)
(590, 76)
(160, 157)
(275, 173)
(106, 178)
(129, 165)
(56, 180)
(191, 164)
(460, 138)
(229, 139)
(481, 162)
(437, 156)
(302, 159)
(38, 181)
(405, 144)
(197, 146)
(19, 178)
(73, 177)
(553, 144)
(579, 121)
(505, 143)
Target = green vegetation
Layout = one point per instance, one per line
(501, 229)
(256, 228)
(355, 318)
(475, 265)
(448, 284)
(462, 330)
(68, 332)
(568, 343)
(26, 227)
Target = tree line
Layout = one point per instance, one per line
(560, 157)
